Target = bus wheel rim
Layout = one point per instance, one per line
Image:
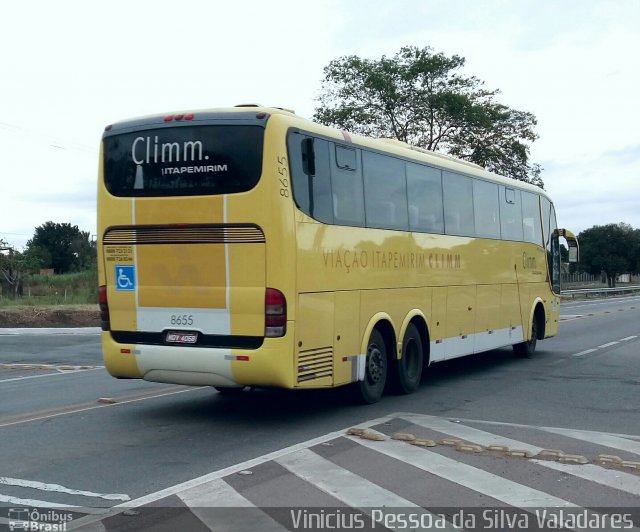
(375, 364)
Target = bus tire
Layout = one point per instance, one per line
(229, 390)
(369, 390)
(526, 349)
(408, 370)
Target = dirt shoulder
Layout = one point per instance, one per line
(50, 316)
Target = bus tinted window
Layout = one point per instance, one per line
(311, 176)
(183, 161)
(510, 214)
(385, 189)
(346, 158)
(554, 252)
(486, 209)
(546, 214)
(531, 223)
(347, 193)
(424, 187)
(458, 204)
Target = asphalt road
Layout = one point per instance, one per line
(53, 429)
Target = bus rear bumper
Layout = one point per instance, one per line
(269, 365)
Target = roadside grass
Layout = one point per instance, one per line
(65, 289)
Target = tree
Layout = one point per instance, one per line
(419, 97)
(14, 266)
(612, 249)
(63, 247)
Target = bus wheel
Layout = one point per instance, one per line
(408, 371)
(229, 390)
(526, 349)
(370, 389)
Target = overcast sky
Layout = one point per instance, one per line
(68, 68)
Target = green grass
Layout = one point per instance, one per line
(70, 288)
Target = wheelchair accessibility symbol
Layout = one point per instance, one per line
(125, 278)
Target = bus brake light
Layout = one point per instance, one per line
(275, 313)
(105, 320)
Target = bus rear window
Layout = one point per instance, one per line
(183, 160)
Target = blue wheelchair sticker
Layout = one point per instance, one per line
(125, 278)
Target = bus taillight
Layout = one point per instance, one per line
(105, 320)
(275, 313)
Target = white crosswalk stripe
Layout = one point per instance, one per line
(355, 474)
(346, 486)
(495, 486)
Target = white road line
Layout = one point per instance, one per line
(480, 437)
(467, 433)
(33, 484)
(71, 372)
(344, 485)
(223, 509)
(35, 331)
(94, 407)
(607, 345)
(173, 490)
(16, 501)
(627, 338)
(607, 477)
(599, 438)
(586, 352)
(537, 427)
(495, 486)
(601, 301)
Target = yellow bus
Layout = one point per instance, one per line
(251, 247)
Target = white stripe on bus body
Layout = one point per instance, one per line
(203, 366)
(204, 320)
(459, 346)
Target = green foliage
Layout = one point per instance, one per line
(14, 266)
(611, 248)
(69, 288)
(63, 247)
(420, 97)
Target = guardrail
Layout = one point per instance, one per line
(586, 292)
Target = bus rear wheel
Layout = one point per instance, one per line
(408, 370)
(526, 349)
(370, 389)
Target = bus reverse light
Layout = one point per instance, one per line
(275, 313)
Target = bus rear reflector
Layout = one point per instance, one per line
(275, 313)
(105, 320)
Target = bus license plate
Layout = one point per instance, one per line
(181, 337)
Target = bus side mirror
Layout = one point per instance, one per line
(573, 253)
(572, 242)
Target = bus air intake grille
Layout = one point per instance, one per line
(315, 364)
(184, 234)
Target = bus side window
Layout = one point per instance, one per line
(510, 214)
(424, 188)
(310, 176)
(385, 191)
(458, 204)
(346, 187)
(486, 208)
(531, 223)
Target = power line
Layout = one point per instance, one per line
(52, 140)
